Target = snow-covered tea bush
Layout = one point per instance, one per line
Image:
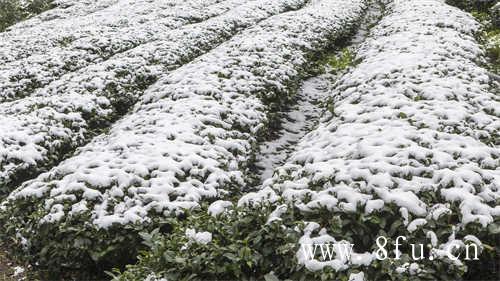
(191, 132)
(43, 128)
(410, 148)
(416, 125)
(257, 242)
(70, 49)
(488, 14)
(190, 139)
(242, 246)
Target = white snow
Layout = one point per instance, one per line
(218, 207)
(298, 120)
(277, 213)
(415, 224)
(67, 111)
(199, 237)
(18, 270)
(35, 56)
(357, 276)
(416, 115)
(404, 124)
(341, 260)
(193, 132)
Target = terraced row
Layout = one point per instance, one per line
(412, 143)
(408, 148)
(189, 140)
(61, 11)
(417, 115)
(46, 31)
(103, 35)
(39, 131)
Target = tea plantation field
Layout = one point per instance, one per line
(217, 139)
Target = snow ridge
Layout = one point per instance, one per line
(66, 51)
(37, 131)
(194, 132)
(417, 116)
(413, 116)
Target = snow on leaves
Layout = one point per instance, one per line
(194, 132)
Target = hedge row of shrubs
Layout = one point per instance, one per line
(488, 14)
(246, 245)
(191, 139)
(408, 149)
(42, 129)
(60, 47)
(105, 26)
(402, 134)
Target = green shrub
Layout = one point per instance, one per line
(342, 61)
(495, 14)
(57, 238)
(245, 245)
(73, 242)
(9, 13)
(12, 11)
(472, 4)
(488, 14)
(492, 45)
